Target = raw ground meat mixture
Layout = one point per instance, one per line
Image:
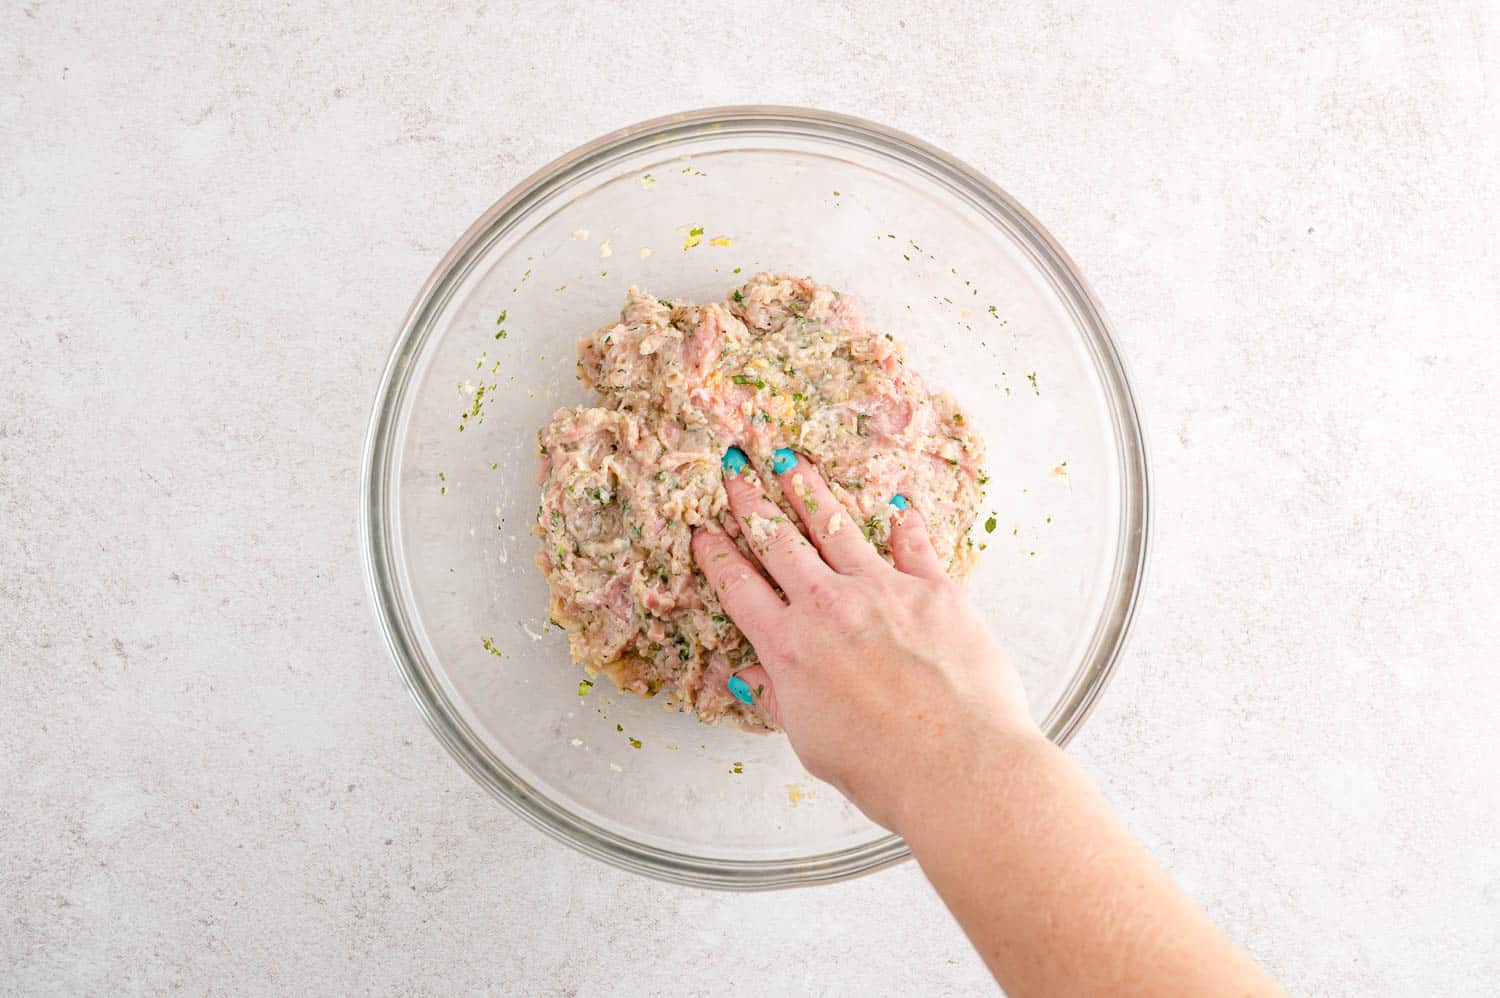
(782, 362)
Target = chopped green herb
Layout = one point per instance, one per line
(501, 321)
(761, 688)
(735, 271)
(696, 230)
(1032, 378)
(619, 728)
(989, 525)
(738, 297)
(635, 743)
(584, 686)
(489, 646)
(738, 769)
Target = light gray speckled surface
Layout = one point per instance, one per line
(211, 779)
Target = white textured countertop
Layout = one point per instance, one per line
(211, 777)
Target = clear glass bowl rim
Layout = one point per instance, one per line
(378, 526)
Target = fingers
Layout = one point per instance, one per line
(754, 688)
(834, 531)
(776, 541)
(750, 601)
(912, 549)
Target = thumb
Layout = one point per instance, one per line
(756, 684)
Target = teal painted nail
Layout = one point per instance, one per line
(741, 691)
(734, 461)
(900, 501)
(783, 460)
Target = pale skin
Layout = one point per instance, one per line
(890, 687)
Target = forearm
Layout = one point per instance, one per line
(1052, 890)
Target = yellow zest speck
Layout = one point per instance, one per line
(604, 249)
(721, 241)
(645, 252)
(691, 241)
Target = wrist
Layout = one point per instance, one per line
(959, 781)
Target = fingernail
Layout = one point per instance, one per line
(783, 460)
(900, 501)
(741, 691)
(734, 461)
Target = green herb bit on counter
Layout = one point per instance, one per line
(739, 769)
(584, 686)
(489, 646)
(1032, 378)
(989, 525)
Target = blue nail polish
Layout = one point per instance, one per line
(900, 501)
(741, 691)
(734, 461)
(783, 460)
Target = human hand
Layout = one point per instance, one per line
(884, 677)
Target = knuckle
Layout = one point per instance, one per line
(733, 582)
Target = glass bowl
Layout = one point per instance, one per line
(988, 306)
